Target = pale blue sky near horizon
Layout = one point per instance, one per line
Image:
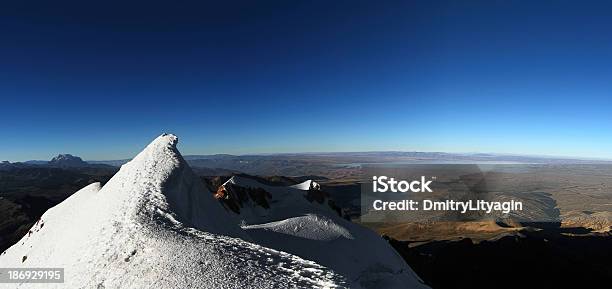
(101, 80)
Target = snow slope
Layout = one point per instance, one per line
(311, 227)
(307, 185)
(285, 202)
(315, 231)
(153, 225)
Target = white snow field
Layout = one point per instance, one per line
(316, 232)
(154, 225)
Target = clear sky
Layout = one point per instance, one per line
(100, 79)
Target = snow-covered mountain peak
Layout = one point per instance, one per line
(64, 157)
(67, 160)
(165, 140)
(155, 224)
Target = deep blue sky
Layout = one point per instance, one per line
(100, 79)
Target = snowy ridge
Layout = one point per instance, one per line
(285, 202)
(154, 224)
(315, 231)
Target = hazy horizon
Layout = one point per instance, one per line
(495, 154)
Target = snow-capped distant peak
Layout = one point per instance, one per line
(67, 160)
(64, 157)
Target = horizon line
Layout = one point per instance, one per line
(354, 152)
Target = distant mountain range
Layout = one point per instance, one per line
(60, 161)
(322, 164)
